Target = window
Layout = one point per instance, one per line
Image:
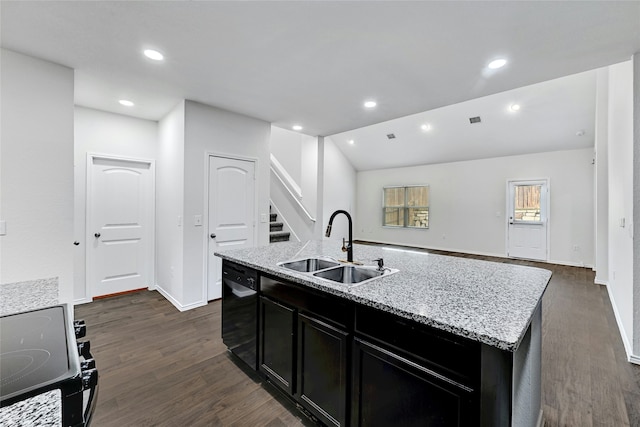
(405, 206)
(527, 203)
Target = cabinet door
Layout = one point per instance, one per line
(322, 370)
(277, 343)
(391, 390)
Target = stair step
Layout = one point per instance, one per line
(273, 217)
(275, 226)
(279, 236)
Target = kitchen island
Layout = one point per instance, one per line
(444, 341)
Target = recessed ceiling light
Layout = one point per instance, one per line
(497, 63)
(351, 141)
(126, 103)
(425, 127)
(153, 54)
(370, 104)
(515, 107)
(296, 127)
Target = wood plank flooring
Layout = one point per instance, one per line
(162, 367)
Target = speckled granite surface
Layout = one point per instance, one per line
(44, 409)
(24, 296)
(485, 301)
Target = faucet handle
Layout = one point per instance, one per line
(380, 262)
(344, 245)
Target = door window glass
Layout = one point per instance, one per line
(527, 203)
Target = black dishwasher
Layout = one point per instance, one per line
(240, 311)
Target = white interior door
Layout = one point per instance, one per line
(120, 201)
(528, 217)
(231, 213)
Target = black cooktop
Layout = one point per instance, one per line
(36, 352)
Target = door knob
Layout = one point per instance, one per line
(76, 243)
(97, 234)
(213, 236)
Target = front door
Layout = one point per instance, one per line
(527, 211)
(120, 201)
(231, 213)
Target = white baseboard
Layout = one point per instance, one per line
(433, 248)
(176, 303)
(81, 301)
(465, 251)
(598, 281)
(569, 263)
(625, 341)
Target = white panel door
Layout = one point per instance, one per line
(528, 203)
(231, 213)
(120, 216)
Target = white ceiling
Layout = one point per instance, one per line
(554, 115)
(314, 63)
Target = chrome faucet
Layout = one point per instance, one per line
(349, 247)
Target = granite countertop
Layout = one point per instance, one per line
(30, 295)
(489, 302)
(44, 409)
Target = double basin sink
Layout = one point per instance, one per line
(334, 271)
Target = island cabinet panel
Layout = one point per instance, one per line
(277, 343)
(389, 389)
(449, 355)
(322, 369)
(304, 347)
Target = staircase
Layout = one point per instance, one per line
(275, 230)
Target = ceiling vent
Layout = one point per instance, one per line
(473, 120)
(391, 136)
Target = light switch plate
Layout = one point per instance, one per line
(197, 220)
(263, 217)
(3, 228)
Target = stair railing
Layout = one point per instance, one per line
(288, 183)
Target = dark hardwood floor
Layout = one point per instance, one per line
(162, 367)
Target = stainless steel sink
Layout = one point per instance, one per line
(351, 274)
(308, 265)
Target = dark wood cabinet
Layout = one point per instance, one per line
(347, 364)
(304, 347)
(389, 389)
(276, 351)
(322, 369)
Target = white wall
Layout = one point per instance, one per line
(635, 357)
(601, 182)
(286, 146)
(216, 131)
(169, 204)
(36, 196)
(297, 154)
(468, 204)
(99, 132)
(339, 191)
(620, 142)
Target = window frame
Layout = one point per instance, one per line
(405, 207)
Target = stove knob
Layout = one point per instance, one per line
(84, 349)
(80, 328)
(89, 379)
(85, 365)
